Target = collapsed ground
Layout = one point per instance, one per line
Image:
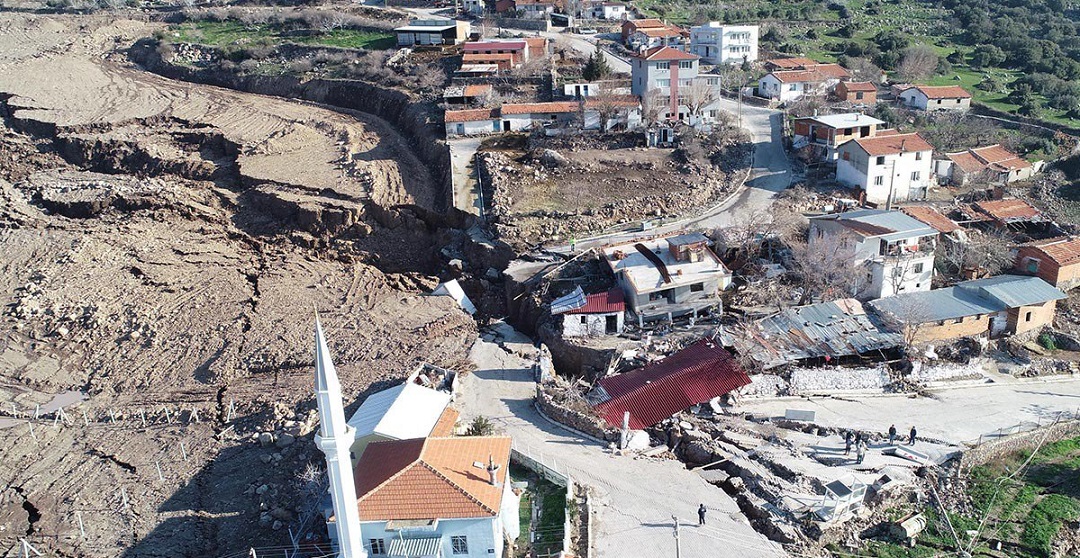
(166, 244)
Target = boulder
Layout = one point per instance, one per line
(699, 452)
(284, 440)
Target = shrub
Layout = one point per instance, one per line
(1047, 342)
(480, 426)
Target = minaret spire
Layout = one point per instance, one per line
(334, 438)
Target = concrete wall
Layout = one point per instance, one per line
(590, 325)
(528, 24)
(483, 535)
(915, 99)
(862, 170)
(481, 127)
(1028, 318)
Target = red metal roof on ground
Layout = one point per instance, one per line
(694, 375)
(602, 303)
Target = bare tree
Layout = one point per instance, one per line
(918, 62)
(979, 254)
(698, 96)
(606, 103)
(653, 105)
(731, 76)
(827, 268)
(329, 21)
(862, 69)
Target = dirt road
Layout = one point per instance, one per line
(165, 245)
(637, 497)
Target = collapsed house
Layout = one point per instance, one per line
(1009, 213)
(698, 373)
(668, 277)
(819, 332)
(995, 306)
(992, 163)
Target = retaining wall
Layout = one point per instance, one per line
(573, 419)
(1029, 440)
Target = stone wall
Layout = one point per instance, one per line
(576, 420)
(1029, 440)
(522, 23)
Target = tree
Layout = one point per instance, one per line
(653, 105)
(827, 268)
(480, 426)
(606, 104)
(979, 254)
(917, 62)
(698, 96)
(596, 67)
(863, 69)
(987, 56)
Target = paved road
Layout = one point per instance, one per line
(466, 193)
(770, 174)
(586, 44)
(953, 415)
(637, 496)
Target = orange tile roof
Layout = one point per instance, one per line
(832, 70)
(997, 155)
(536, 44)
(966, 161)
(859, 86)
(613, 100)
(446, 424)
(893, 144)
(1008, 210)
(792, 62)
(473, 57)
(551, 107)
(645, 23)
(816, 74)
(1062, 250)
(943, 91)
(659, 32)
(476, 90)
(888, 132)
(430, 478)
(664, 53)
(470, 115)
(931, 217)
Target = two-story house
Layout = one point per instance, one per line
(897, 250)
(724, 44)
(675, 73)
(832, 130)
(788, 85)
(643, 34)
(888, 167)
(436, 497)
(944, 97)
(536, 9)
(605, 9)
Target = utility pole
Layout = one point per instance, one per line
(678, 547)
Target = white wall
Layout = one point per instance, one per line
(482, 534)
(590, 325)
(915, 99)
(863, 171)
(481, 127)
(891, 273)
(715, 43)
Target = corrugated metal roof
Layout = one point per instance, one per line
(415, 548)
(696, 374)
(845, 120)
(893, 225)
(688, 238)
(566, 303)
(402, 412)
(834, 329)
(970, 298)
(602, 303)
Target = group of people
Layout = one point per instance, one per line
(860, 442)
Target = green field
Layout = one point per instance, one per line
(223, 34)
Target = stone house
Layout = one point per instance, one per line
(1054, 260)
(995, 306)
(992, 163)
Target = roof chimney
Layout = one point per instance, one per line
(902, 143)
(493, 471)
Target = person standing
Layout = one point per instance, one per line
(701, 514)
(860, 452)
(911, 440)
(847, 442)
(892, 433)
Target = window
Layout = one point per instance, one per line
(459, 544)
(858, 95)
(663, 65)
(846, 132)
(915, 175)
(1027, 316)
(847, 156)
(959, 320)
(663, 83)
(793, 87)
(918, 268)
(378, 546)
(918, 155)
(686, 64)
(697, 288)
(878, 180)
(1032, 265)
(939, 101)
(584, 320)
(880, 160)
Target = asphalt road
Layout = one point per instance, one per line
(636, 498)
(586, 44)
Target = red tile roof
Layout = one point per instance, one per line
(696, 374)
(550, 107)
(859, 86)
(931, 217)
(665, 53)
(943, 91)
(1008, 210)
(430, 478)
(966, 161)
(537, 45)
(644, 23)
(816, 74)
(659, 32)
(792, 62)
(602, 303)
(446, 424)
(995, 155)
(893, 144)
(1061, 250)
(470, 115)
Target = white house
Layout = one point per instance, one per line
(601, 314)
(724, 44)
(888, 167)
(437, 497)
(896, 249)
(945, 97)
(675, 74)
(603, 9)
(473, 7)
(788, 85)
(992, 163)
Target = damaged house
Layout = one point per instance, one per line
(592, 315)
(818, 333)
(667, 277)
(694, 375)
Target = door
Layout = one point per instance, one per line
(506, 125)
(611, 324)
